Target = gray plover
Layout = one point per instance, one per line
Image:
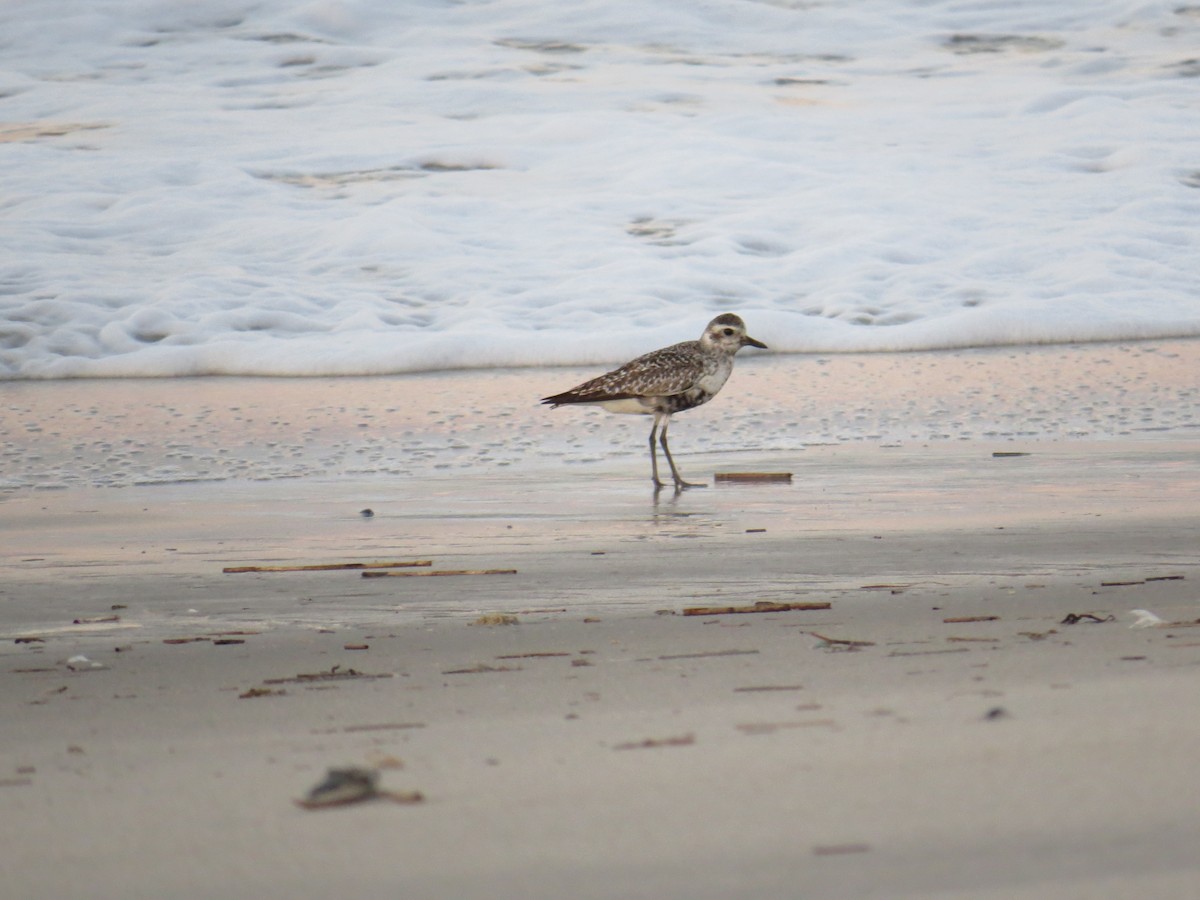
(667, 381)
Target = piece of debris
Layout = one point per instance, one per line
(1121, 583)
(839, 643)
(386, 726)
(707, 653)
(496, 619)
(436, 572)
(974, 640)
(960, 620)
(762, 606)
(29, 640)
(356, 646)
(45, 695)
(342, 787)
(753, 477)
(261, 692)
(682, 740)
(840, 849)
(366, 513)
(83, 664)
(223, 642)
(1165, 578)
(1077, 618)
(996, 712)
(95, 620)
(768, 687)
(480, 669)
(1146, 619)
(336, 673)
(1008, 454)
(328, 567)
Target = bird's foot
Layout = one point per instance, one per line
(679, 484)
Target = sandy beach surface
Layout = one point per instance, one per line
(998, 701)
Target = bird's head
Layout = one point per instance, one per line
(727, 333)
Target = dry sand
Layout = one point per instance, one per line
(607, 745)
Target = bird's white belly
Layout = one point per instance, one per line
(628, 405)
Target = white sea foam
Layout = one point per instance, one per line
(362, 187)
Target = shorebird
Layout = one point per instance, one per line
(667, 381)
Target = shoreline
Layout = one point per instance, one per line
(122, 433)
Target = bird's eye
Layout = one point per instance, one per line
(728, 332)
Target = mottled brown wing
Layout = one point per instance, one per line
(662, 373)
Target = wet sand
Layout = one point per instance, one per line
(942, 729)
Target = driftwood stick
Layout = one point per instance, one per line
(762, 606)
(328, 567)
(439, 572)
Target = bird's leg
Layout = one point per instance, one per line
(679, 482)
(654, 455)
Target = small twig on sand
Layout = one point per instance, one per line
(682, 740)
(439, 572)
(841, 642)
(1076, 618)
(336, 673)
(327, 567)
(761, 477)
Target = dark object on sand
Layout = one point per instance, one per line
(841, 643)
(753, 477)
(1077, 618)
(328, 567)
(342, 787)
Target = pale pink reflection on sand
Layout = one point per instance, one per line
(124, 432)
